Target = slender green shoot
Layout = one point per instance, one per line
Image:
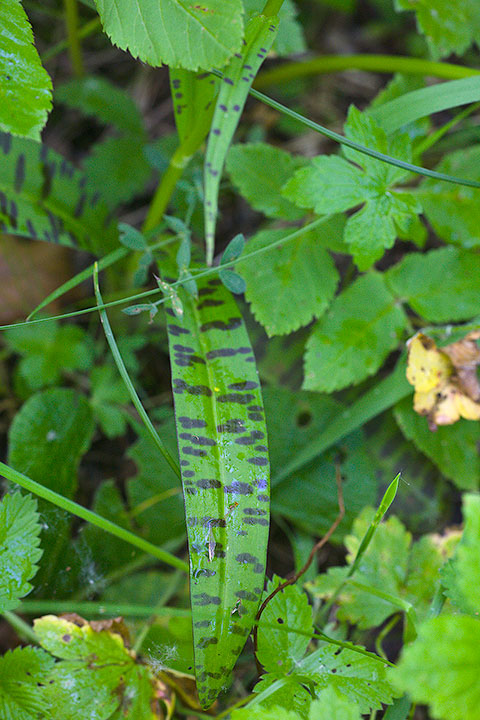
(93, 518)
(99, 609)
(272, 7)
(22, 628)
(128, 383)
(85, 31)
(74, 42)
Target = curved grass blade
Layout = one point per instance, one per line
(236, 83)
(42, 196)
(425, 101)
(225, 473)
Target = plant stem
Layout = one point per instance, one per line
(129, 385)
(74, 44)
(75, 509)
(86, 30)
(372, 63)
(272, 7)
(178, 162)
(22, 628)
(34, 607)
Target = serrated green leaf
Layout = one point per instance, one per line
(175, 32)
(353, 338)
(118, 166)
(98, 97)
(448, 27)
(330, 184)
(45, 198)
(23, 673)
(48, 350)
(26, 88)
(290, 285)
(331, 706)
(454, 211)
(460, 575)
(454, 449)
(280, 650)
(392, 566)
(441, 285)
(19, 548)
(237, 80)
(96, 676)
(225, 473)
(441, 667)
(258, 712)
(290, 695)
(49, 435)
(259, 171)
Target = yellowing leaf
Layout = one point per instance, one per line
(445, 381)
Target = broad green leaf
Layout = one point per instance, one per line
(454, 211)
(291, 694)
(332, 706)
(237, 80)
(97, 676)
(225, 472)
(48, 350)
(119, 167)
(26, 89)
(309, 415)
(108, 395)
(49, 435)
(98, 97)
(23, 674)
(19, 549)
(441, 668)
(454, 449)
(43, 197)
(175, 32)
(391, 565)
(426, 100)
(290, 285)
(330, 184)
(460, 575)
(441, 285)
(193, 96)
(448, 27)
(353, 338)
(281, 650)
(259, 171)
(290, 37)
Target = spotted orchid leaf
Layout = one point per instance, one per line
(221, 436)
(42, 196)
(238, 77)
(193, 96)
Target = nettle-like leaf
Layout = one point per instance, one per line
(19, 548)
(96, 676)
(353, 338)
(291, 284)
(259, 171)
(331, 184)
(238, 77)
(26, 89)
(225, 473)
(175, 32)
(23, 673)
(448, 27)
(440, 668)
(454, 449)
(441, 285)
(48, 350)
(49, 435)
(279, 650)
(454, 210)
(43, 197)
(355, 677)
(391, 565)
(460, 574)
